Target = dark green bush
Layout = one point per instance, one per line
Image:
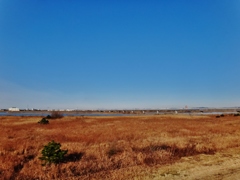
(52, 153)
(48, 117)
(43, 121)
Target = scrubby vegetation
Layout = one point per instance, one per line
(56, 115)
(109, 147)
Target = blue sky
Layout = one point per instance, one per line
(119, 54)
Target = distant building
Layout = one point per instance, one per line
(13, 109)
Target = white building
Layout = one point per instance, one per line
(13, 109)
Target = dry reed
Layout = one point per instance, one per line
(105, 147)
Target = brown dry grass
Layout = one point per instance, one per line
(111, 147)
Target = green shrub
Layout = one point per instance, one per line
(52, 153)
(48, 117)
(43, 121)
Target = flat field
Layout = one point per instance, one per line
(134, 147)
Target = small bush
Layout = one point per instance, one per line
(48, 117)
(52, 153)
(43, 121)
(56, 115)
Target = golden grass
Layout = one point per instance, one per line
(110, 147)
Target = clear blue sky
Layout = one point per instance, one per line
(119, 54)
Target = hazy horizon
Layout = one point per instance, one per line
(119, 55)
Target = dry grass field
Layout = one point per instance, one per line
(139, 147)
